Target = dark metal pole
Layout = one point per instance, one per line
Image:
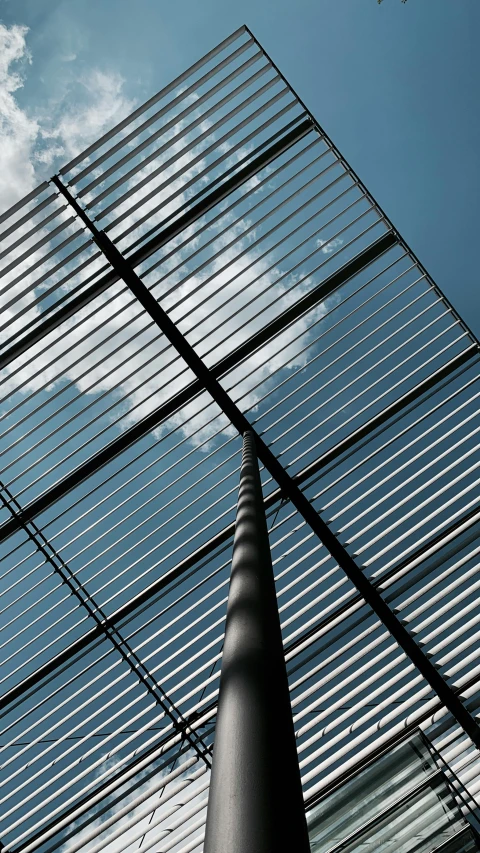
(255, 803)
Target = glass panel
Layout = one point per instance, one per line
(400, 803)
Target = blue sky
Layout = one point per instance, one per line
(395, 86)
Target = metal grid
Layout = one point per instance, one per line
(119, 471)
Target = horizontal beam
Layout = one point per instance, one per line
(110, 632)
(290, 489)
(157, 242)
(116, 780)
(376, 752)
(95, 635)
(132, 606)
(83, 803)
(399, 406)
(133, 116)
(162, 413)
(363, 188)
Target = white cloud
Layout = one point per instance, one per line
(73, 123)
(93, 104)
(31, 141)
(328, 248)
(18, 131)
(29, 145)
(153, 813)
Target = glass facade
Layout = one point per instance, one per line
(402, 802)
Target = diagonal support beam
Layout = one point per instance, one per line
(104, 625)
(65, 311)
(181, 398)
(127, 610)
(290, 489)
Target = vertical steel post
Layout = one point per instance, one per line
(255, 802)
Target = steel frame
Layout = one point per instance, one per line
(122, 267)
(286, 484)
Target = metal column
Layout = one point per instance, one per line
(255, 803)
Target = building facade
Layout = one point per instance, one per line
(212, 265)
